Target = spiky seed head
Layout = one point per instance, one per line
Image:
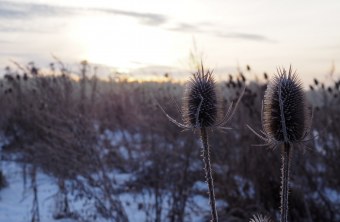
(200, 103)
(284, 109)
(260, 218)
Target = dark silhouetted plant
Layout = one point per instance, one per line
(201, 110)
(285, 122)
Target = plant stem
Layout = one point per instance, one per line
(208, 174)
(285, 181)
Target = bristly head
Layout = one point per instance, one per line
(285, 114)
(260, 218)
(200, 103)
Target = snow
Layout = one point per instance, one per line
(333, 195)
(245, 186)
(16, 200)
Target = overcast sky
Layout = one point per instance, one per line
(156, 35)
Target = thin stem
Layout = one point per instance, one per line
(208, 174)
(285, 181)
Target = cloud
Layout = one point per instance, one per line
(145, 18)
(210, 29)
(186, 27)
(12, 10)
(245, 36)
(25, 29)
(26, 26)
(25, 11)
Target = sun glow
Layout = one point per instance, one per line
(121, 42)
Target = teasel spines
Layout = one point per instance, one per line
(284, 109)
(200, 107)
(260, 218)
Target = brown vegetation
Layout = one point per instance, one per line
(63, 127)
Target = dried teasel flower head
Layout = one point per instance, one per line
(200, 107)
(285, 113)
(285, 116)
(201, 104)
(260, 218)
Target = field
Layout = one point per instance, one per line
(102, 150)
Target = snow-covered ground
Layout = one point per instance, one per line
(16, 200)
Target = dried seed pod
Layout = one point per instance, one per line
(265, 76)
(284, 110)
(286, 121)
(200, 103)
(243, 77)
(260, 218)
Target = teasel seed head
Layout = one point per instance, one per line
(200, 102)
(260, 218)
(285, 113)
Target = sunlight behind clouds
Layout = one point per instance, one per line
(121, 42)
(130, 35)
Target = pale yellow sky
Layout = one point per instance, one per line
(158, 35)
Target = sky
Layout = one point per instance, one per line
(153, 36)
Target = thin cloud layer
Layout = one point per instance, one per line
(145, 18)
(25, 11)
(10, 10)
(186, 27)
(213, 30)
(246, 36)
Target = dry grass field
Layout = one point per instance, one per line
(88, 133)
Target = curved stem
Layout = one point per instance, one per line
(208, 174)
(285, 181)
